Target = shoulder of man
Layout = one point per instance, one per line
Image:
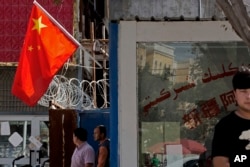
(105, 143)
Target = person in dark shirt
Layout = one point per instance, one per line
(230, 145)
(103, 153)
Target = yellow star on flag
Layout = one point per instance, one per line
(30, 48)
(38, 24)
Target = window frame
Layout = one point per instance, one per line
(131, 32)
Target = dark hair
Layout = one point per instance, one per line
(102, 129)
(241, 79)
(81, 134)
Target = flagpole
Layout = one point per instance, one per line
(66, 32)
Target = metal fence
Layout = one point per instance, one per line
(67, 91)
(8, 102)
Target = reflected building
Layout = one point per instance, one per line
(161, 60)
(159, 57)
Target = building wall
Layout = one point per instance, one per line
(164, 9)
(14, 19)
(188, 11)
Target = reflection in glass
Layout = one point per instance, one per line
(44, 137)
(7, 150)
(184, 88)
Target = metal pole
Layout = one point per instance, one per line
(104, 69)
(92, 34)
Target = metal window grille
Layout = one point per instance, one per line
(8, 102)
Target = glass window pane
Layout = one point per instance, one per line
(7, 149)
(180, 102)
(44, 136)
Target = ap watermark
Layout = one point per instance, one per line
(240, 158)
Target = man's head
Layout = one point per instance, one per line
(241, 79)
(80, 135)
(100, 133)
(241, 85)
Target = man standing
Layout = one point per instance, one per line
(230, 146)
(102, 157)
(84, 154)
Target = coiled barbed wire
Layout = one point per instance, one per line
(74, 94)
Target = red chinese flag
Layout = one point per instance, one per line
(46, 48)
